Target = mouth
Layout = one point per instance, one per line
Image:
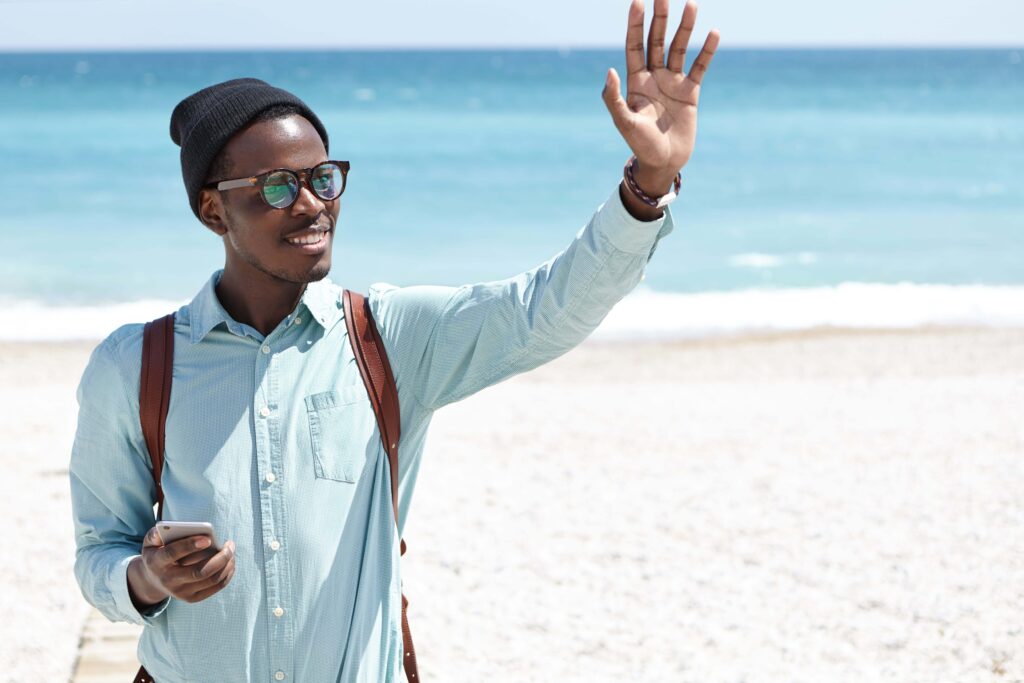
(312, 241)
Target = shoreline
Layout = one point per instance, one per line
(725, 338)
(646, 314)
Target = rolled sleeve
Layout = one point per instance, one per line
(118, 582)
(628, 234)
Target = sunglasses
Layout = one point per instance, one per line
(280, 187)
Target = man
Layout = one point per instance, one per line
(270, 436)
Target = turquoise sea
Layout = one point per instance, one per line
(885, 185)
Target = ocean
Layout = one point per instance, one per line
(863, 187)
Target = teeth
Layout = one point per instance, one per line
(311, 239)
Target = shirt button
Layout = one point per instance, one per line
(274, 545)
(265, 349)
(297, 320)
(279, 675)
(264, 411)
(271, 477)
(278, 611)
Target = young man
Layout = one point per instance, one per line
(270, 435)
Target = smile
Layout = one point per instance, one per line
(312, 244)
(315, 238)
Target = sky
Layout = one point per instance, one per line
(274, 24)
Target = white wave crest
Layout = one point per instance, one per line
(646, 314)
(39, 322)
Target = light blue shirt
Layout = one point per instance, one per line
(274, 441)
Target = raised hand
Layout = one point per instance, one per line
(658, 118)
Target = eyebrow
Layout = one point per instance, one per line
(290, 168)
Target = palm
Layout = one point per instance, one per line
(658, 118)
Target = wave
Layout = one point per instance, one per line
(42, 322)
(648, 314)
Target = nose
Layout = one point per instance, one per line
(307, 202)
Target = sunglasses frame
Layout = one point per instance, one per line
(303, 175)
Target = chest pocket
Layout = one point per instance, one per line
(338, 431)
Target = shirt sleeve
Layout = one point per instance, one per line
(450, 342)
(112, 489)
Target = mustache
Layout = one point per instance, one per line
(323, 221)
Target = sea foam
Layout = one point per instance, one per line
(647, 314)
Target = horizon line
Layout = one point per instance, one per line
(64, 49)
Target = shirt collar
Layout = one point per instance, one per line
(321, 298)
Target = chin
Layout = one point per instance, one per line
(301, 276)
(319, 271)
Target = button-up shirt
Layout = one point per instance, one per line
(273, 440)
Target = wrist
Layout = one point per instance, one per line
(142, 586)
(643, 189)
(654, 182)
(636, 207)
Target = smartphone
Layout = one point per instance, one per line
(173, 531)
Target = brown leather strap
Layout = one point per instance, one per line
(155, 393)
(143, 676)
(154, 399)
(372, 359)
(373, 365)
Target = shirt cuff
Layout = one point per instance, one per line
(629, 234)
(123, 599)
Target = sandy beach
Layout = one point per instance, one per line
(838, 505)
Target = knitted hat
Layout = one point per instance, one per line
(203, 122)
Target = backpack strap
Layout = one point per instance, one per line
(155, 393)
(372, 359)
(154, 399)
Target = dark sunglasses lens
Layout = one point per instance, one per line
(280, 189)
(327, 181)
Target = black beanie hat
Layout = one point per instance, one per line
(203, 122)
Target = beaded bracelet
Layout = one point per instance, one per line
(656, 203)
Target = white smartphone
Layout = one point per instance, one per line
(174, 531)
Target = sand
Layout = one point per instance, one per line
(829, 506)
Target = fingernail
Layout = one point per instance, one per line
(608, 79)
(202, 542)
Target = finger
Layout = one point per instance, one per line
(700, 65)
(635, 38)
(201, 573)
(198, 556)
(677, 50)
(152, 539)
(656, 36)
(622, 116)
(207, 592)
(172, 552)
(216, 584)
(187, 580)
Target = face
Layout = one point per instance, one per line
(259, 239)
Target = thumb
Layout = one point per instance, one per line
(617, 107)
(152, 539)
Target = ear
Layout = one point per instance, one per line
(212, 212)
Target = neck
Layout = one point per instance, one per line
(257, 299)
